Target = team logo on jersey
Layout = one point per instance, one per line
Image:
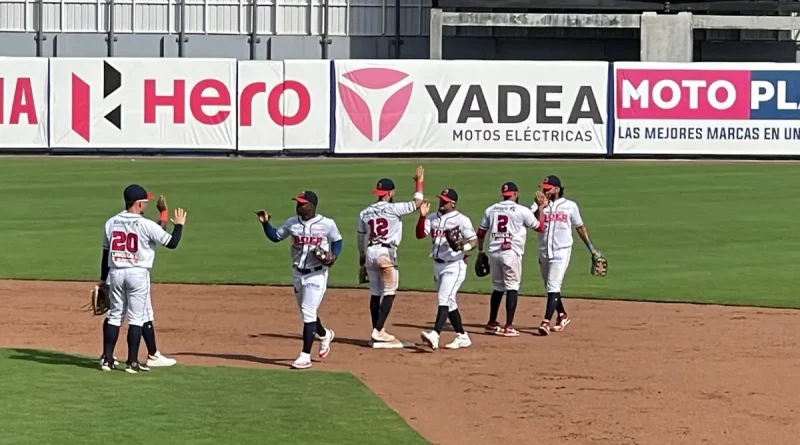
(437, 233)
(306, 240)
(556, 217)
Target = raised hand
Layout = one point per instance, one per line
(425, 208)
(419, 175)
(263, 216)
(179, 217)
(161, 204)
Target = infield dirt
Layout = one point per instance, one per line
(622, 373)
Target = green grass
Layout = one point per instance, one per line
(718, 233)
(54, 398)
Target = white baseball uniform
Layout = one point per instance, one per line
(449, 267)
(310, 277)
(381, 223)
(555, 241)
(131, 241)
(506, 224)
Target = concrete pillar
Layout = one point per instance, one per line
(435, 33)
(666, 38)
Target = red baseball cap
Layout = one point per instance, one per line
(508, 189)
(383, 187)
(306, 196)
(448, 195)
(550, 182)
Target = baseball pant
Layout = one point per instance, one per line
(506, 270)
(308, 292)
(129, 292)
(553, 269)
(381, 265)
(448, 278)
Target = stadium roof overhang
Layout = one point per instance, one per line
(734, 7)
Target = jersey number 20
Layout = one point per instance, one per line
(502, 223)
(378, 227)
(124, 242)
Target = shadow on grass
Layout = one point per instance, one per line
(54, 358)
(284, 362)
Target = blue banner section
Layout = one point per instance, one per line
(775, 95)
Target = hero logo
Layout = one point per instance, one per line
(389, 82)
(81, 101)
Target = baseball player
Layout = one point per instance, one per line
(129, 242)
(380, 230)
(506, 223)
(316, 243)
(555, 247)
(452, 236)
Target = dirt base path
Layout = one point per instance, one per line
(622, 373)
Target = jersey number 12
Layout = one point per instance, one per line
(124, 242)
(378, 227)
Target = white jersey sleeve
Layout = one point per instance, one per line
(284, 230)
(528, 218)
(486, 221)
(428, 224)
(333, 231)
(575, 218)
(467, 231)
(156, 233)
(403, 208)
(106, 231)
(362, 227)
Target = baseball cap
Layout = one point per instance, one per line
(306, 196)
(136, 192)
(449, 195)
(508, 189)
(550, 182)
(383, 187)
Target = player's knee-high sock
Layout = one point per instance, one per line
(455, 320)
(552, 301)
(134, 340)
(375, 309)
(560, 305)
(321, 329)
(441, 319)
(149, 336)
(110, 336)
(494, 305)
(309, 329)
(386, 307)
(511, 306)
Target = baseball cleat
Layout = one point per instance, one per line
(135, 368)
(107, 366)
(103, 359)
(509, 331)
(561, 323)
(159, 361)
(544, 329)
(493, 328)
(461, 341)
(302, 362)
(325, 343)
(431, 339)
(382, 336)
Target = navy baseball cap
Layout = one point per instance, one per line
(136, 192)
(448, 195)
(550, 182)
(508, 189)
(383, 187)
(306, 196)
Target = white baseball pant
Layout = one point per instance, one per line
(448, 278)
(129, 290)
(381, 265)
(553, 269)
(308, 292)
(506, 270)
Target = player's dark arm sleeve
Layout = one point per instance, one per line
(336, 248)
(420, 231)
(104, 266)
(176, 237)
(270, 231)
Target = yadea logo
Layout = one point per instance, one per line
(394, 84)
(682, 94)
(81, 102)
(20, 91)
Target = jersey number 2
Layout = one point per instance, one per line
(124, 242)
(378, 227)
(502, 223)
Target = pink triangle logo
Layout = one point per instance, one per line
(392, 110)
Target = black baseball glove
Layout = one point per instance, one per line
(482, 265)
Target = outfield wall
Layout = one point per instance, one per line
(409, 107)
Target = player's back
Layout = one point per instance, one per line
(382, 221)
(130, 239)
(507, 223)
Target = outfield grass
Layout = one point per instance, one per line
(54, 398)
(672, 231)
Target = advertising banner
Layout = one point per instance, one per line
(470, 107)
(143, 103)
(284, 105)
(707, 108)
(23, 102)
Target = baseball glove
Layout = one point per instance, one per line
(324, 257)
(101, 299)
(362, 275)
(599, 265)
(482, 265)
(453, 237)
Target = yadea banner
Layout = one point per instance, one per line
(707, 108)
(143, 103)
(23, 102)
(423, 106)
(284, 105)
